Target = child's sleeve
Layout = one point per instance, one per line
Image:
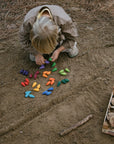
(69, 31)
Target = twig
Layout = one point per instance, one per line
(6, 15)
(66, 131)
(33, 4)
(18, 17)
(8, 35)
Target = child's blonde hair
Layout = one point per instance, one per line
(44, 35)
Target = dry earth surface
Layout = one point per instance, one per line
(39, 120)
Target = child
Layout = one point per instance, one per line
(48, 29)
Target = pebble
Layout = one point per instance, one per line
(30, 76)
(67, 80)
(51, 79)
(44, 75)
(36, 89)
(23, 84)
(51, 89)
(31, 96)
(46, 92)
(59, 83)
(21, 132)
(37, 72)
(55, 69)
(27, 80)
(67, 70)
(50, 59)
(48, 83)
(45, 72)
(52, 82)
(34, 84)
(27, 93)
(47, 62)
(53, 64)
(63, 81)
(26, 73)
(38, 86)
(48, 72)
(21, 71)
(26, 83)
(63, 73)
(35, 76)
(42, 67)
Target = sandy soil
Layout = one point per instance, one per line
(39, 120)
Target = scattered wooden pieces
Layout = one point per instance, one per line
(111, 121)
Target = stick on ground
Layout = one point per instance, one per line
(66, 131)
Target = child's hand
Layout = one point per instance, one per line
(55, 55)
(39, 59)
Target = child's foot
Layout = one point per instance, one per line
(32, 57)
(73, 52)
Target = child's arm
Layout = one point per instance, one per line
(70, 33)
(39, 59)
(56, 53)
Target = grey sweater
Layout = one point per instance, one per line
(67, 33)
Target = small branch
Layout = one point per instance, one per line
(8, 35)
(18, 17)
(6, 16)
(66, 131)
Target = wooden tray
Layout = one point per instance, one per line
(107, 127)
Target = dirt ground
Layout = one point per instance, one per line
(39, 120)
